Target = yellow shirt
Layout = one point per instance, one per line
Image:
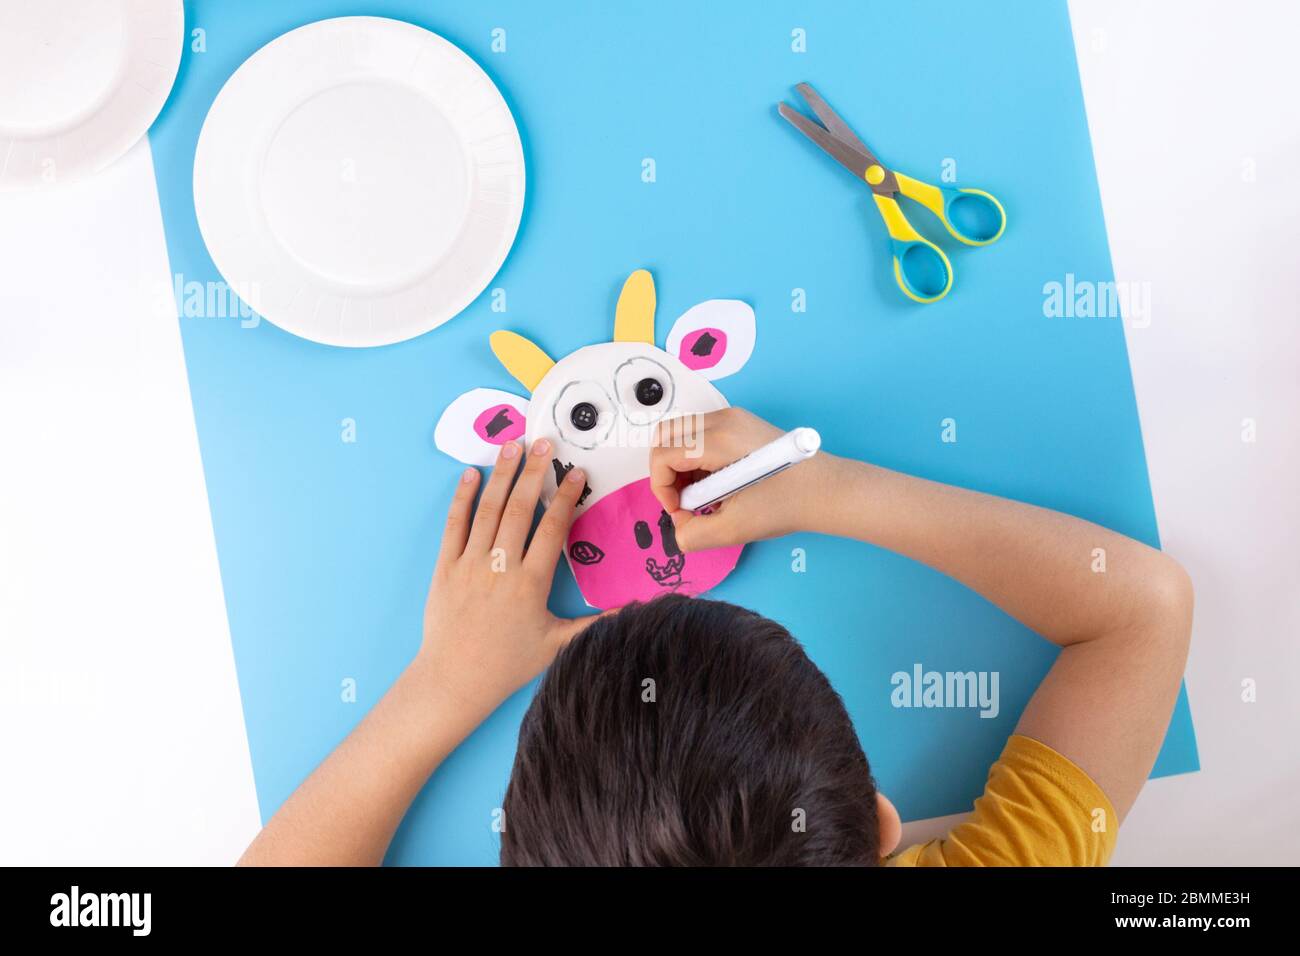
(1038, 809)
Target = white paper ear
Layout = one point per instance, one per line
(715, 338)
(476, 425)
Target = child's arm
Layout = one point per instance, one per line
(1107, 700)
(487, 633)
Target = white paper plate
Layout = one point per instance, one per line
(359, 181)
(80, 82)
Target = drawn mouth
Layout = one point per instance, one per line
(668, 574)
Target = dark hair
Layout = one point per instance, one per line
(709, 765)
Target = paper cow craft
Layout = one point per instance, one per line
(599, 407)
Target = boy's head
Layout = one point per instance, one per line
(696, 733)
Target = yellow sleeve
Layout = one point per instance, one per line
(1038, 809)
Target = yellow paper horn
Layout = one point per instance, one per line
(634, 317)
(522, 359)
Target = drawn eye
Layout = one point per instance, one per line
(644, 389)
(583, 414)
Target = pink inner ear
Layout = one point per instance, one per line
(703, 348)
(500, 424)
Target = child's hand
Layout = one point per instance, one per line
(486, 633)
(487, 630)
(693, 446)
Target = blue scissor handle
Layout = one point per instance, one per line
(973, 216)
(921, 269)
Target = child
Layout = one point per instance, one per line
(746, 756)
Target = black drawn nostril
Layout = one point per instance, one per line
(669, 534)
(644, 537)
(584, 552)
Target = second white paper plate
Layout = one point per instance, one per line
(80, 83)
(359, 181)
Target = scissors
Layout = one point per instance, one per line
(921, 269)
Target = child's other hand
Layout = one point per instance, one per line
(689, 448)
(487, 631)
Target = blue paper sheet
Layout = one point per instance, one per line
(326, 546)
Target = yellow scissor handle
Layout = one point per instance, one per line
(921, 269)
(988, 218)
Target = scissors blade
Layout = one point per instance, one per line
(831, 120)
(848, 157)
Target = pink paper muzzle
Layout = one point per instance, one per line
(623, 549)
